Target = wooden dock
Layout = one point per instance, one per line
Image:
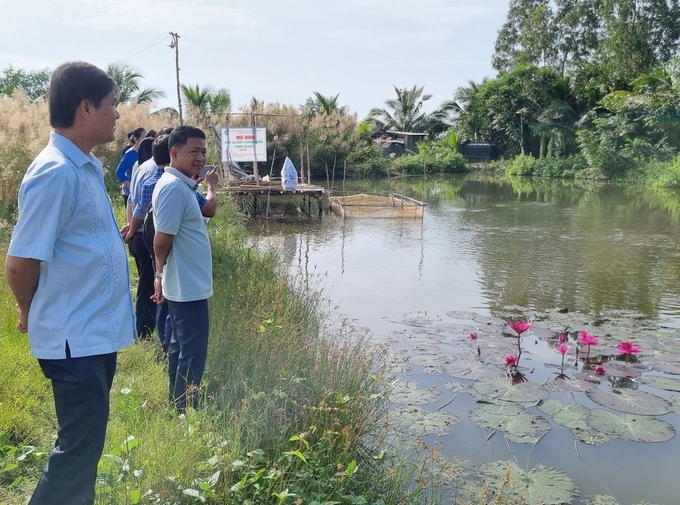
(267, 189)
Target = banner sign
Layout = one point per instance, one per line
(244, 144)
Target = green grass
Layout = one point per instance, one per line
(293, 411)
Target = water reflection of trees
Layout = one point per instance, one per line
(586, 247)
(546, 243)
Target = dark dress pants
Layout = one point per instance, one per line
(187, 351)
(145, 307)
(81, 389)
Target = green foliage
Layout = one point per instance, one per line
(439, 156)
(571, 166)
(34, 84)
(128, 81)
(405, 113)
(523, 165)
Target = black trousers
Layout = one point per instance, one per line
(187, 351)
(81, 389)
(145, 308)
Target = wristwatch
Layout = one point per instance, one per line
(160, 275)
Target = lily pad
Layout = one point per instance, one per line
(601, 499)
(631, 427)
(416, 421)
(502, 389)
(540, 486)
(664, 383)
(574, 417)
(457, 387)
(569, 416)
(630, 401)
(576, 385)
(518, 425)
(408, 393)
(471, 369)
(662, 365)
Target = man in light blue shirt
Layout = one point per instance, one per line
(184, 261)
(67, 267)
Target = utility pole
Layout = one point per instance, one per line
(175, 45)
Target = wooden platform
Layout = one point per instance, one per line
(274, 188)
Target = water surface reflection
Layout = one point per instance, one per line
(496, 246)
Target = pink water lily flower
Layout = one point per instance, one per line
(628, 348)
(562, 349)
(474, 336)
(510, 360)
(562, 337)
(599, 370)
(587, 339)
(519, 326)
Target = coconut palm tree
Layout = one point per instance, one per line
(220, 101)
(404, 113)
(197, 97)
(329, 104)
(128, 83)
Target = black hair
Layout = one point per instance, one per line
(72, 83)
(161, 150)
(144, 150)
(151, 134)
(137, 133)
(182, 134)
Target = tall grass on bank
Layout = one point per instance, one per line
(293, 412)
(25, 129)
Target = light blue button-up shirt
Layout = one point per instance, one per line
(66, 221)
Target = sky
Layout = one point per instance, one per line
(273, 50)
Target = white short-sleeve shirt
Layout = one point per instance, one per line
(187, 274)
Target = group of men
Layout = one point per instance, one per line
(67, 267)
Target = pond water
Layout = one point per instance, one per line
(566, 256)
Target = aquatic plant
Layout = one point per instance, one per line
(474, 336)
(587, 339)
(628, 349)
(519, 326)
(562, 337)
(599, 370)
(562, 349)
(511, 360)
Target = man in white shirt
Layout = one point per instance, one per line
(67, 267)
(184, 261)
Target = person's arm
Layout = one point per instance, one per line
(22, 276)
(209, 208)
(134, 225)
(124, 170)
(162, 243)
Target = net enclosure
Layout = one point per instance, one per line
(376, 206)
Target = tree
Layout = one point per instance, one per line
(502, 110)
(197, 97)
(128, 81)
(220, 101)
(329, 105)
(638, 36)
(470, 116)
(34, 84)
(527, 37)
(404, 113)
(206, 100)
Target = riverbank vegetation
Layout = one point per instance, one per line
(294, 412)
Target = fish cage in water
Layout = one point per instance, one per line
(376, 206)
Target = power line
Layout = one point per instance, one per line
(140, 52)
